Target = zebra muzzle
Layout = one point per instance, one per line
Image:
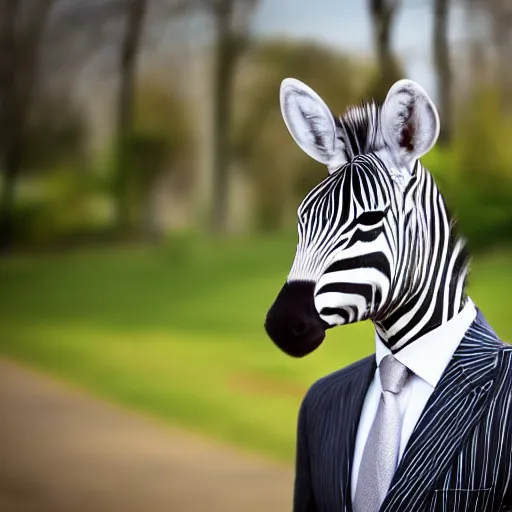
(293, 322)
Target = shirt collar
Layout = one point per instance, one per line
(429, 355)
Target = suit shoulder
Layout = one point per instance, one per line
(484, 341)
(335, 382)
(506, 350)
(503, 376)
(505, 384)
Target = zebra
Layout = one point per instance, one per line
(375, 238)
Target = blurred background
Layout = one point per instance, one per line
(148, 199)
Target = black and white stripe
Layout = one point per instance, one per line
(378, 241)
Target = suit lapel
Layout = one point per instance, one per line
(349, 413)
(453, 409)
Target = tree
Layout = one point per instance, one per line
(8, 15)
(230, 23)
(128, 54)
(441, 51)
(500, 12)
(21, 31)
(495, 16)
(382, 14)
(93, 29)
(55, 133)
(160, 138)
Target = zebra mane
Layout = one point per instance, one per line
(358, 128)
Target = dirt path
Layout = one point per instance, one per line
(62, 451)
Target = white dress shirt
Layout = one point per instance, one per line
(427, 358)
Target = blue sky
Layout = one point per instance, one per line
(345, 24)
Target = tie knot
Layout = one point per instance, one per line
(393, 374)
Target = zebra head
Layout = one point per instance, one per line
(375, 239)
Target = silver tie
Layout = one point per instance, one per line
(380, 454)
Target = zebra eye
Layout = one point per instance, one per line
(371, 218)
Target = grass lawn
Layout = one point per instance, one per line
(178, 332)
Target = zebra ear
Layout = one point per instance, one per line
(311, 124)
(409, 121)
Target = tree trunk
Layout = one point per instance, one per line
(441, 52)
(382, 14)
(226, 54)
(502, 23)
(499, 34)
(8, 61)
(8, 64)
(129, 53)
(18, 77)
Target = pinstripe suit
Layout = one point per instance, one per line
(459, 456)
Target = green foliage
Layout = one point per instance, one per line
(162, 114)
(57, 194)
(475, 174)
(59, 206)
(178, 332)
(55, 135)
(154, 146)
(161, 135)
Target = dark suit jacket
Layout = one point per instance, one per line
(459, 456)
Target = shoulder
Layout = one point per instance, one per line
(506, 362)
(489, 347)
(483, 341)
(336, 384)
(504, 374)
(483, 344)
(503, 390)
(506, 349)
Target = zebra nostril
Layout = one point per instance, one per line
(300, 327)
